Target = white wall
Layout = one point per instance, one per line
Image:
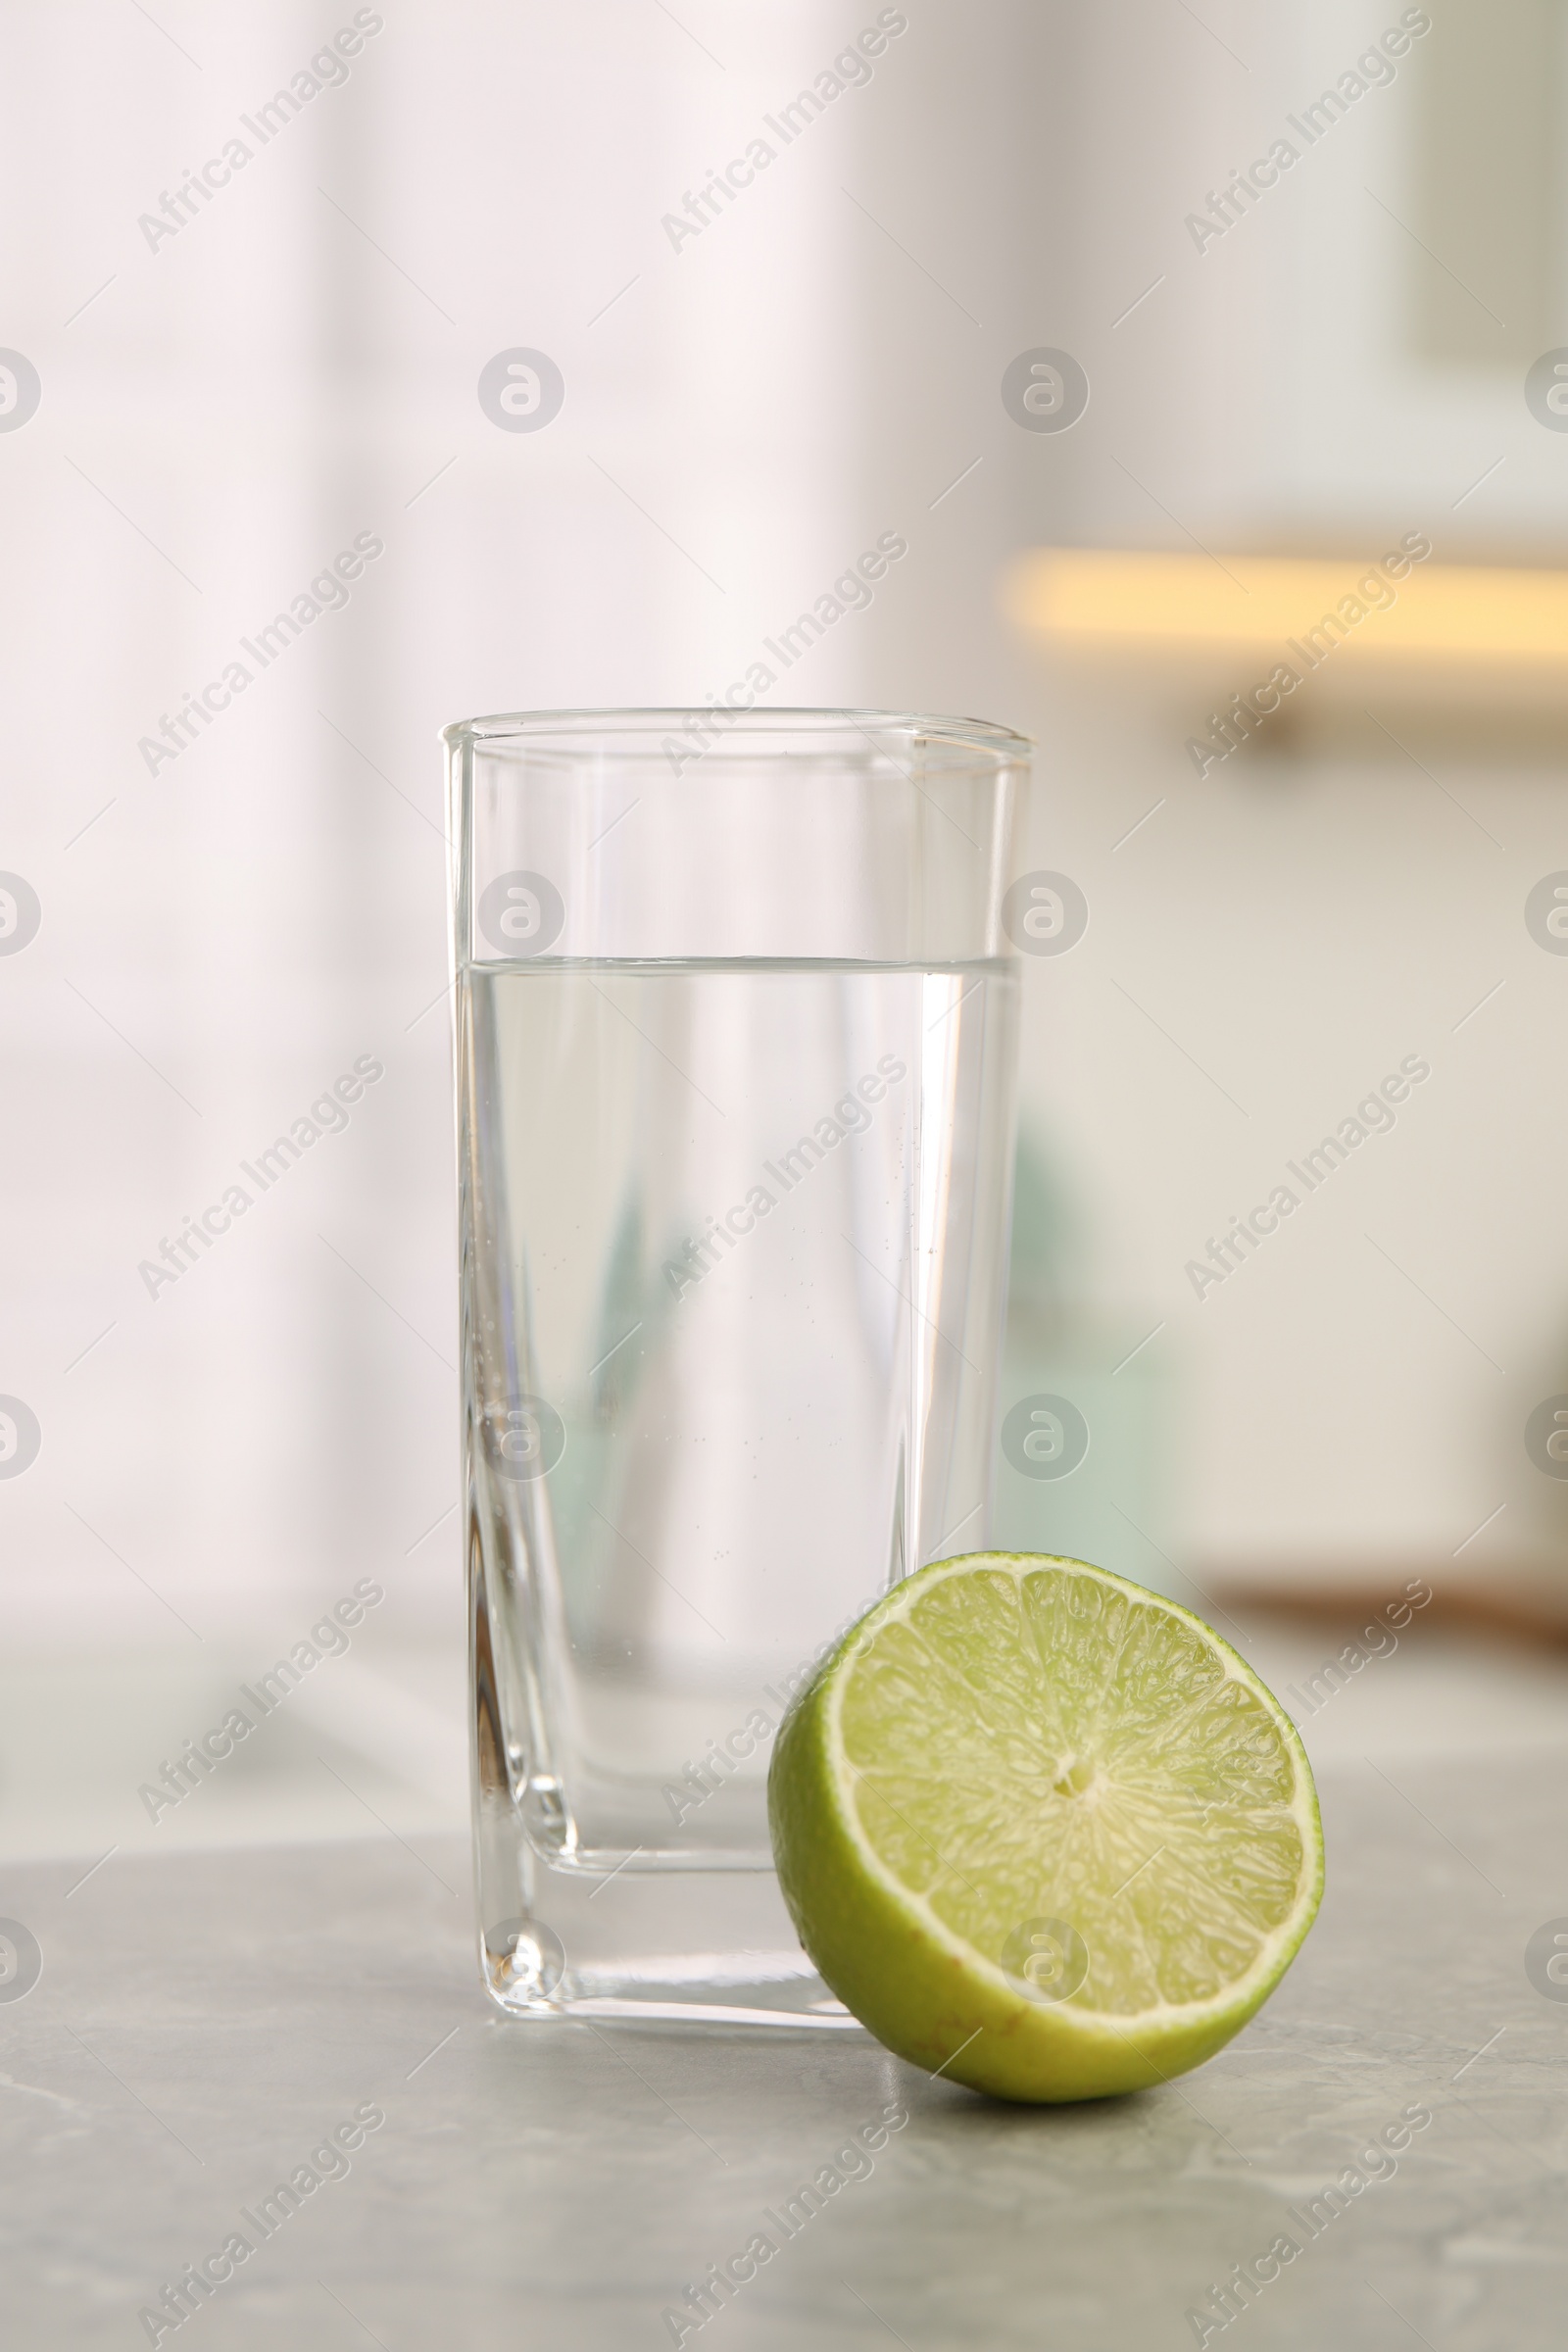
(820, 364)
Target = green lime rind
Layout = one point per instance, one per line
(920, 1986)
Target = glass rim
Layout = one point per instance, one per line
(987, 738)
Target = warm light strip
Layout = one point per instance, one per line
(1086, 596)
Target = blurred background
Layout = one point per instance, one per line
(259, 260)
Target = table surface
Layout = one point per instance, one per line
(203, 2022)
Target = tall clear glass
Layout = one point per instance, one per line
(735, 1054)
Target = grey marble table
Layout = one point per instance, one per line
(203, 2024)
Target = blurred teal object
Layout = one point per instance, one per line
(1104, 1499)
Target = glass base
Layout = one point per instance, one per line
(708, 1947)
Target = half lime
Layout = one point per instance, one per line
(1041, 1830)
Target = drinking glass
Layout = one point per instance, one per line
(735, 1044)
